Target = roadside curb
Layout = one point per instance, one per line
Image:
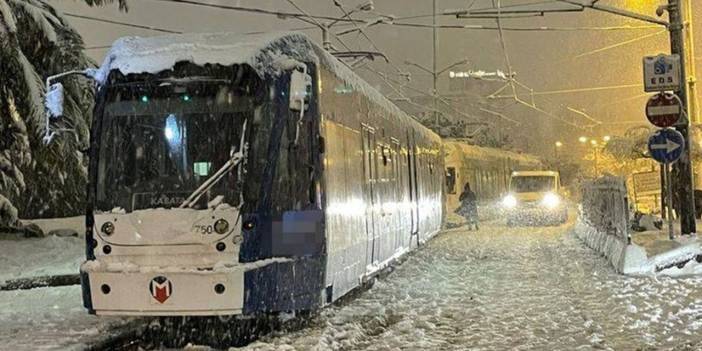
(40, 282)
(631, 259)
(624, 258)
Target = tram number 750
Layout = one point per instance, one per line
(204, 229)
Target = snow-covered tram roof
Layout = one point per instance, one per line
(267, 54)
(488, 153)
(263, 52)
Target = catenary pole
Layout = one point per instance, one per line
(693, 111)
(682, 170)
(434, 73)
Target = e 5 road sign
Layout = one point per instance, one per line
(666, 145)
(661, 72)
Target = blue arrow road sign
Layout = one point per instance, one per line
(666, 145)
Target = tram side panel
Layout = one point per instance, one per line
(345, 203)
(368, 213)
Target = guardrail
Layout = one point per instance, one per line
(605, 207)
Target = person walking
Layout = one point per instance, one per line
(469, 207)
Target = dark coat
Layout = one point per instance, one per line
(469, 204)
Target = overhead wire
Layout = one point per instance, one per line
(512, 81)
(619, 44)
(574, 90)
(349, 21)
(365, 35)
(448, 104)
(280, 14)
(132, 25)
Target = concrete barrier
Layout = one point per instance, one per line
(603, 224)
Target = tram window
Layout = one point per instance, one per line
(451, 180)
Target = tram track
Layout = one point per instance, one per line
(215, 332)
(40, 282)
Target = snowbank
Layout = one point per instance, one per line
(50, 319)
(35, 257)
(49, 225)
(603, 226)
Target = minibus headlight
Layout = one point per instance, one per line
(551, 201)
(509, 201)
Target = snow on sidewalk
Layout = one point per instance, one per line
(49, 319)
(649, 253)
(33, 257)
(50, 255)
(46, 318)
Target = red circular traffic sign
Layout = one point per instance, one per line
(663, 110)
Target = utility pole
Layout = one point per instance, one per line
(683, 168)
(691, 80)
(434, 74)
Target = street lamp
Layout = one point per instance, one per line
(558, 145)
(596, 151)
(582, 139)
(606, 138)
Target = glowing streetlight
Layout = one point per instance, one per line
(593, 142)
(606, 138)
(583, 139)
(558, 145)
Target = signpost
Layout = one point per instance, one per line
(646, 185)
(663, 110)
(661, 73)
(666, 146)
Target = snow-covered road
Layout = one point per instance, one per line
(508, 288)
(50, 319)
(500, 288)
(46, 318)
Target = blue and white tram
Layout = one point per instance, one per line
(236, 174)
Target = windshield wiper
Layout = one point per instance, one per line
(230, 165)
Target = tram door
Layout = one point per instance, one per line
(414, 187)
(371, 197)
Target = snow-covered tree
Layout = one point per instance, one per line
(35, 42)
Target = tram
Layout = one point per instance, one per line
(488, 171)
(234, 174)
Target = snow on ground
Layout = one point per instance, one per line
(49, 319)
(76, 223)
(503, 288)
(46, 318)
(523, 288)
(50, 255)
(23, 258)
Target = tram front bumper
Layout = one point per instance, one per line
(170, 291)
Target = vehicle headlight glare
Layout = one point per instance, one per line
(509, 201)
(551, 200)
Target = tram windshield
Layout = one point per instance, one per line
(160, 142)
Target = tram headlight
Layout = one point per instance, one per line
(221, 226)
(551, 201)
(108, 228)
(509, 201)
